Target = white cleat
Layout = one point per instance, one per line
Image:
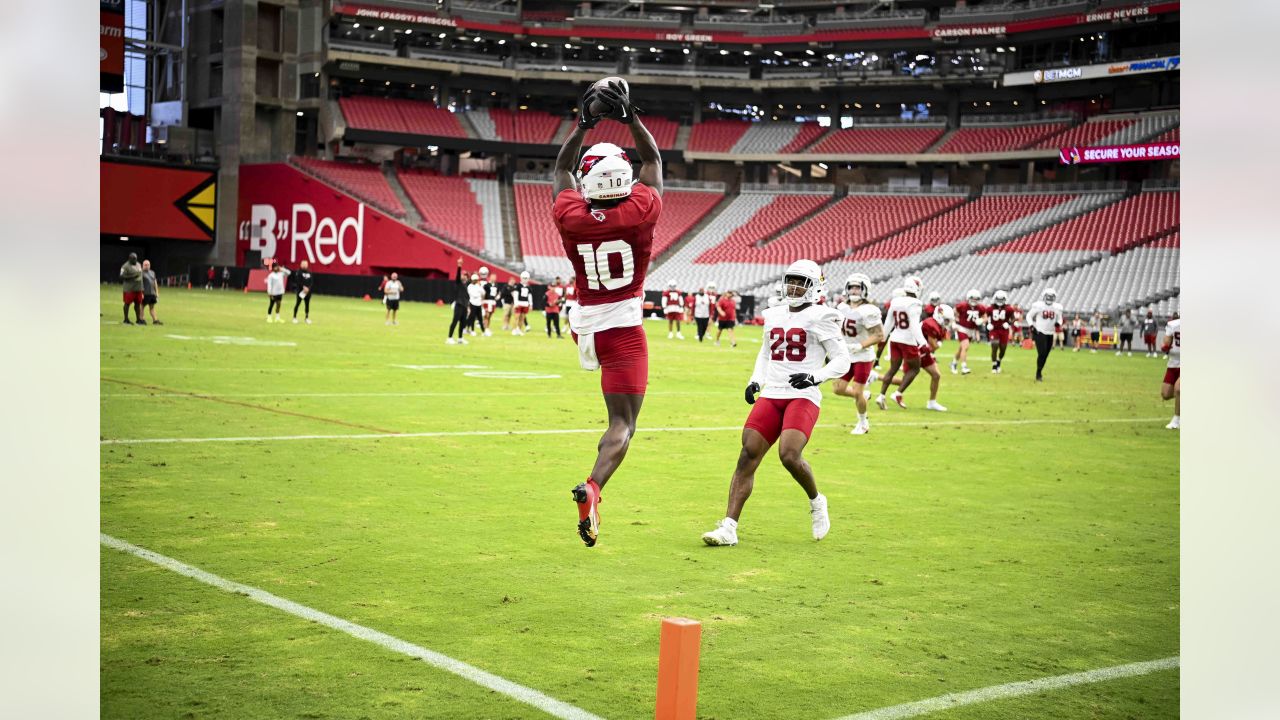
(965, 370)
(488, 333)
(295, 321)
(880, 402)
(679, 336)
(897, 397)
(933, 405)
(1174, 424)
(308, 321)
(450, 341)
(516, 332)
(862, 428)
(724, 534)
(821, 523)
(268, 318)
(1118, 353)
(953, 368)
(671, 336)
(462, 341)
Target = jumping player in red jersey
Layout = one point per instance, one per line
(1000, 316)
(673, 308)
(606, 223)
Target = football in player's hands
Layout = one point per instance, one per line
(752, 390)
(800, 381)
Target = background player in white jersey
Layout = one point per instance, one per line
(905, 339)
(606, 219)
(801, 348)
(860, 323)
(1172, 387)
(1047, 319)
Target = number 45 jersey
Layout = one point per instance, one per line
(793, 343)
(609, 248)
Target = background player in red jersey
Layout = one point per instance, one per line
(673, 308)
(1000, 316)
(968, 319)
(727, 317)
(606, 225)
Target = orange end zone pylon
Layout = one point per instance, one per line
(678, 669)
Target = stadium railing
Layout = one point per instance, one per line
(1078, 188)
(619, 19)
(908, 189)
(801, 188)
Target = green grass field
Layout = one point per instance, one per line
(1030, 532)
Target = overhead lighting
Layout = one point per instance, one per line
(502, 41)
(476, 39)
(441, 36)
(822, 165)
(988, 103)
(600, 48)
(805, 63)
(408, 31)
(857, 105)
(686, 51)
(778, 53)
(524, 107)
(999, 49)
(724, 52)
(1015, 103)
(355, 25)
(567, 46)
(387, 82)
(809, 53)
(299, 113)
(744, 52)
(626, 48)
(382, 27)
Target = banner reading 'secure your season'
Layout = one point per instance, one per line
(1077, 155)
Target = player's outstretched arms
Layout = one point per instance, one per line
(562, 176)
(650, 159)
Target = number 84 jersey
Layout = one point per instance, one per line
(798, 342)
(608, 246)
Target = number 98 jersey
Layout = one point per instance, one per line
(792, 343)
(608, 246)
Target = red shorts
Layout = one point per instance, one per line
(624, 360)
(675, 316)
(1149, 339)
(998, 336)
(489, 305)
(133, 297)
(859, 372)
(522, 310)
(903, 351)
(926, 357)
(770, 417)
(1171, 375)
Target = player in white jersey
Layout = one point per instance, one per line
(863, 331)
(905, 339)
(1047, 319)
(1172, 387)
(801, 348)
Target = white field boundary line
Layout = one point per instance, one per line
(489, 681)
(598, 430)
(1015, 689)
(486, 393)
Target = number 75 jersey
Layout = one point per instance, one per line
(609, 247)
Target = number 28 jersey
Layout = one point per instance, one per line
(609, 247)
(792, 343)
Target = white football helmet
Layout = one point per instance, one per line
(475, 277)
(525, 275)
(973, 295)
(711, 287)
(598, 152)
(935, 297)
(609, 178)
(484, 271)
(1050, 295)
(671, 283)
(807, 276)
(913, 286)
(944, 315)
(857, 285)
(1000, 298)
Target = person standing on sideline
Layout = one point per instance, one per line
(276, 281)
(1149, 333)
(489, 303)
(150, 291)
(208, 285)
(461, 299)
(1127, 323)
(703, 306)
(475, 299)
(1172, 387)
(727, 317)
(605, 217)
(1095, 331)
(131, 281)
(302, 286)
(391, 291)
(802, 347)
(226, 277)
(1047, 319)
(552, 310)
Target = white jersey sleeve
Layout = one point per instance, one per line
(1173, 335)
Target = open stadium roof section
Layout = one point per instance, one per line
(362, 180)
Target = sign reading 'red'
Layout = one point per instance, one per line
(288, 215)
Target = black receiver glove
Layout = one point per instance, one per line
(622, 111)
(586, 120)
(800, 381)
(752, 389)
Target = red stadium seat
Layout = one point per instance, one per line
(404, 116)
(1112, 228)
(716, 135)
(363, 181)
(997, 138)
(447, 205)
(879, 141)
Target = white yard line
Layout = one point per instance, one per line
(486, 393)
(489, 681)
(1015, 689)
(597, 430)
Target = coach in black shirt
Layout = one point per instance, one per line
(302, 286)
(460, 302)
